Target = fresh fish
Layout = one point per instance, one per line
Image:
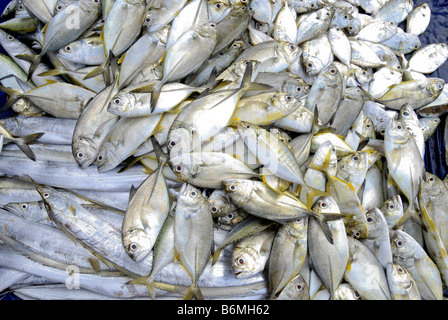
(193, 235)
(418, 19)
(401, 283)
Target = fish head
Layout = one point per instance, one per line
(52, 202)
(84, 151)
(180, 141)
(396, 132)
(218, 9)
(407, 113)
(402, 247)
(152, 20)
(332, 74)
(345, 291)
(399, 276)
(107, 159)
(7, 40)
(281, 135)
(239, 190)
(70, 51)
(313, 65)
(297, 87)
(296, 289)
(288, 51)
(248, 131)
(137, 244)
(376, 222)
(355, 163)
(325, 13)
(442, 48)
(392, 209)
(245, 263)
(219, 203)
(207, 29)
(191, 199)
(391, 27)
(233, 218)
(87, 6)
(121, 103)
(326, 204)
(354, 26)
(435, 86)
(20, 209)
(432, 185)
(185, 166)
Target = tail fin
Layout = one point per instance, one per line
(148, 281)
(13, 97)
(248, 85)
(35, 60)
(23, 142)
(311, 194)
(194, 292)
(103, 69)
(323, 218)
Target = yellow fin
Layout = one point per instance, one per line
(95, 263)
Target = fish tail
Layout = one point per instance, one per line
(23, 144)
(35, 60)
(194, 292)
(311, 194)
(13, 97)
(103, 69)
(248, 85)
(148, 281)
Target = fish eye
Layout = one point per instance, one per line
(369, 219)
(102, 21)
(382, 131)
(117, 101)
(247, 63)
(356, 294)
(99, 158)
(232, 187)
(214, 209)
(350, 28)
(46, 195)
(172, 143)
(218, 5)
(230, 216)
(368, 126)
(179, 168)
(400, 270)
(312, 5)
(332, 71)
(298, 89)
(399, 127)
(440, 87)
(323, 204)
(346, 17)
(241, 261)
(59, 7)
(431, 179)
(20, 7)
(357, 235)
(299, 287)
(406, 113)
(416, 46)
(248, 126)
(80, 155)
(68, 48)
(133, 246)
(399, 243)
(292, 47)
(309, 65)
(391, 206)
(212, 25)
(356, 158)
(24, 206)
(193, 193)
(289, 98)
(10, 37)
(96, 1)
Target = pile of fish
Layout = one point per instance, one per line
(221, 149)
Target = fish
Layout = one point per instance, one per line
(193, 235)
(401, 283)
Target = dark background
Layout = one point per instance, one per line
(436, 32)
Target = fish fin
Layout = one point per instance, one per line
(216, 255)
(23, 142)
(132, 192)
(194, 292)
(148, 281)
(95, 263)
(248, 85)
(35, 60)
(323, 218)
(103, 69)
(54, 72)
(162, 157)
(13, 97)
